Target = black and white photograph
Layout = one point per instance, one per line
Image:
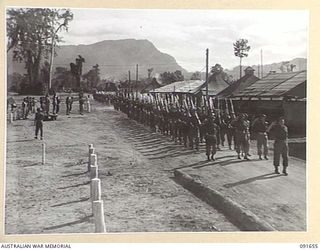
(155, 120)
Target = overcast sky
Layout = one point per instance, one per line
(185, 34)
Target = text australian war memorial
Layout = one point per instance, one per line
(114, 135)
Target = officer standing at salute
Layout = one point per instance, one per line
(280, 132)
(211, 130)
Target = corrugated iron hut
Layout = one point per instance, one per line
(277, 94)
(247, 80)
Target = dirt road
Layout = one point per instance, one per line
(135, 168)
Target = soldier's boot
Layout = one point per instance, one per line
(208, 157)
(276, 170)
(239, 156)
(212, 157)
(246, 157)
(260, 157)
(266, 157)
(284, 171)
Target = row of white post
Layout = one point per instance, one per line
(95, 192)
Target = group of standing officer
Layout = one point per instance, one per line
(191, 126)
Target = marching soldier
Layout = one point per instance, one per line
(260, 126)
(230, 130)
(280, 132)
(211, 129)
(194, 124)
(242, 136)
(223, 128)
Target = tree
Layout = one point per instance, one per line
(241, 48)
(62, 78)
(31, 32)
(13, 82)
(76, 69)
(218, 69)
(150, 72)
(196, 76)
(170, 77)
(93, 76)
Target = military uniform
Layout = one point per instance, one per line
(39, 123)
(260, 126)
(280, 132)
(242, 136)
(211, 130)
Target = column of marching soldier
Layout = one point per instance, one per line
(189, 125)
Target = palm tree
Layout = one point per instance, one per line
(241, 48)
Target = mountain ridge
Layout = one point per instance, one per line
(115, 58)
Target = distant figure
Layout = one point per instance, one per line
(54, 103)
(58, 100)
(33, 104)
(280, 132)
(39, 123)
(69, 101)
(81, 103)
(47, 104)
(88, 104)
(24, 108)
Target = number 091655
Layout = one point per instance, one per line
(309, 246)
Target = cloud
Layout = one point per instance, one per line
(185, 34)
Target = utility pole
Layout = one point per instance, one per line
(129, 87)
(137, 79)
(261, 64)
(207, 73)
(52, 53)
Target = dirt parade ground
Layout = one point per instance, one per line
(137, 173)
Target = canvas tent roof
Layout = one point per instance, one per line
(274, 85)
(183, 87)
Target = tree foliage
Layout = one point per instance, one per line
(93, 76)
(30, 35)
(196, 76)
(241, 49)
(76, 69)
(170, 77)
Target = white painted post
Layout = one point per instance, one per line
(93, 172)
(95, 189)
(98, 215)
(91, 151)
(43, 153)
(93, 160)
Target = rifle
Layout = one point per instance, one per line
(227, 107)
(231, 105)
(195, 112)
(186, 107)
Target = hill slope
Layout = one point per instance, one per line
(301, 64)
(115, 58)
